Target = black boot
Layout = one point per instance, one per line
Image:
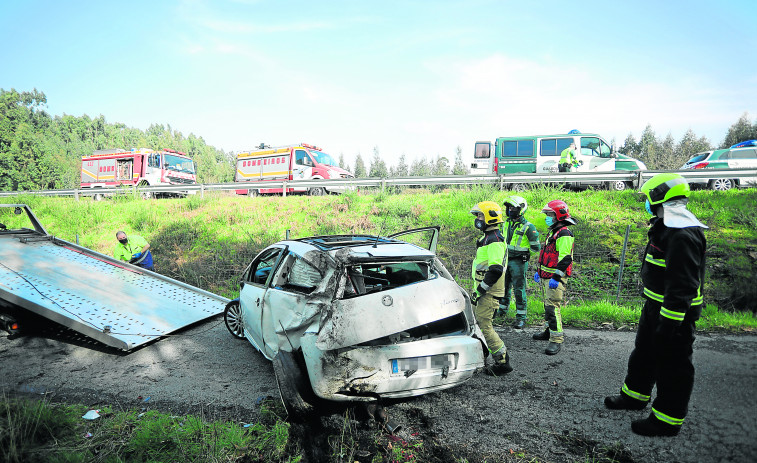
(500, 368)
(543, 336)
(519, 324)
(622, 402)
(553, 348)
(651, 426)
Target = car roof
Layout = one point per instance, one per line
(359, 246)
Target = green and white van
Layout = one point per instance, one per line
(541, 154)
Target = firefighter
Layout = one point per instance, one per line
(555, 266)
(521, 239)
(489, 280)
(134, 250)
(568, 159)
(672, 274)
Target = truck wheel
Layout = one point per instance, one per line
(617, 185)
(97, 197)
(232, 317)
(252, 192)
(519, 187)
(317, 191)
(294, 386)
(721, 184)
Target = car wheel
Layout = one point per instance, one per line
(317, 191)
(617, 185)
(232, 317)
(294, 386)
(721, 184)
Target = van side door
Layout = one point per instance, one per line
(596, 155)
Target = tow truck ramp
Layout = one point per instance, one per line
(116, 303)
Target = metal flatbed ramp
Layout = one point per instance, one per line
(118, 304)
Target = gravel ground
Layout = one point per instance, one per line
(549, 408)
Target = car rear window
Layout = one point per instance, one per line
(370, 278)
(698, 157)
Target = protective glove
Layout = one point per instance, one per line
(474, 298)
(137, 255)
(553, 284)
(536, 277)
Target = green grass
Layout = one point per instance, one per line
(38, 431)
(207, 242)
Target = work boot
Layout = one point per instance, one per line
(651, 427)
(552, 348)
(519, 324)
(500, 368)
(622, 402)
(543, 336)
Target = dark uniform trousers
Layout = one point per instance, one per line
(665, 360)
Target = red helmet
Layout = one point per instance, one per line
(559, 208)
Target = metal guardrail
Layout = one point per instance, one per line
(633, 178)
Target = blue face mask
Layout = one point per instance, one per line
(648, 207)
(549, 221)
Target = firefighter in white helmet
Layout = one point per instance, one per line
(489, 280)
(522, 239)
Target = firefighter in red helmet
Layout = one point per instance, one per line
(555, 266)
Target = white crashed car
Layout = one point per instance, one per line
(357, 318)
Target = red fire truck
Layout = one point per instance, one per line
(291, 162)
(142, 167)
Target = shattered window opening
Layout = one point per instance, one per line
(450, 326)
(371, 278)
(298, 275)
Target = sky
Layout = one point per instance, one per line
(418, 78)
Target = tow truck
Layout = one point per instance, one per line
(111, 301)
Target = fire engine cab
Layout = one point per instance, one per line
(142, 167)
(290, 162)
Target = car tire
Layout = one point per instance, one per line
(617, 185)
(232, 317)
(317, 191)
(721, 184)
(294, 385)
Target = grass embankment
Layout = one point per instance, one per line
(207, 242)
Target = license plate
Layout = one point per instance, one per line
(430, 362)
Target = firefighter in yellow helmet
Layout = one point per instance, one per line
(489, 280)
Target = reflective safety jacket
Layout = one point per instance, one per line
(556, 258)
(489, 263)
(522, 238)
(134, 245)
(673, 270)
(568, 156)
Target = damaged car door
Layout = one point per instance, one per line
(255, 284)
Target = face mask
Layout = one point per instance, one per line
(648, 207)
(513, 213)
(549, 221)
(478, 223)
(124, 241)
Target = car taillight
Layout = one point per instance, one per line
(701, 165)
(496, 165)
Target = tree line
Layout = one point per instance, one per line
(40, 152)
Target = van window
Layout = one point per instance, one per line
(590, 146)
(301, 158)
(519, 148)
(554, 146)
(483, 150)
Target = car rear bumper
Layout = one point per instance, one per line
(367, 373)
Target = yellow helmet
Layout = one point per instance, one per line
(491, 210)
